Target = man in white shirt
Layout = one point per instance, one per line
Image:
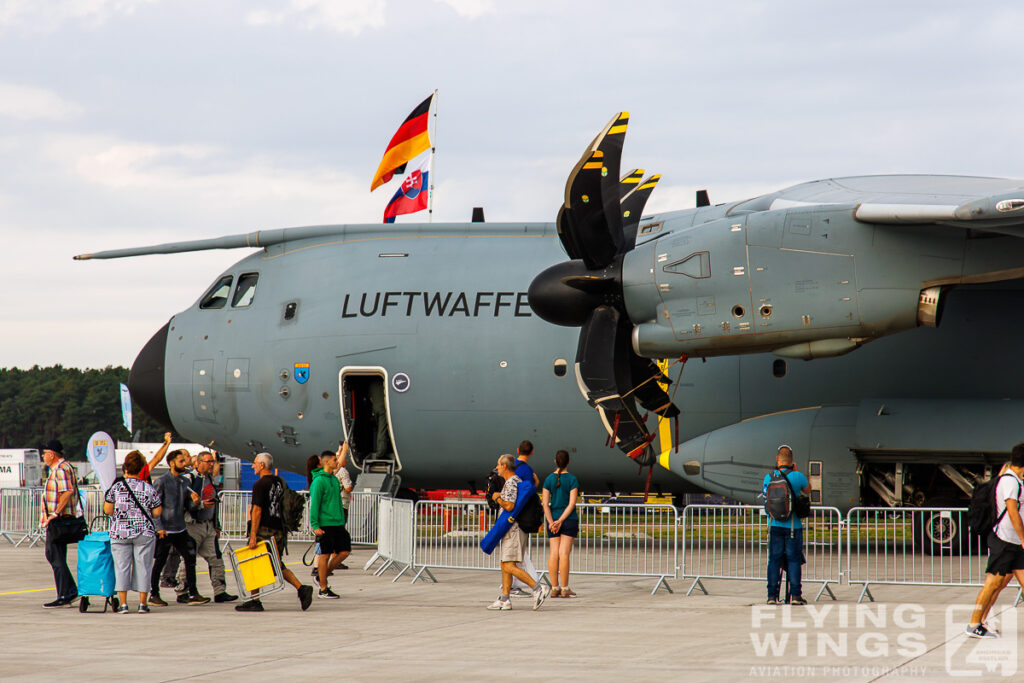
(345, 481)
(1006, 551)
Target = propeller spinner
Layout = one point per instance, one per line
(597, 224)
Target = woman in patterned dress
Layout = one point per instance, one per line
(132, 503)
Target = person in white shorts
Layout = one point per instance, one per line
(513, 543)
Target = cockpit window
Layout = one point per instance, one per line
(246, 290)
(217, 297)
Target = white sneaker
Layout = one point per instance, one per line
(518, 592)
(540, 594)
(500, 604)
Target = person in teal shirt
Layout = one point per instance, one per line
(327, 519)
(561, 490)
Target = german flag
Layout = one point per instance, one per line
(410, 140)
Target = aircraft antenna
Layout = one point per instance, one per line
(433, 149)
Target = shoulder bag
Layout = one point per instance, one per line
(66, 528)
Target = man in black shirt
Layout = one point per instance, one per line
(266, 520)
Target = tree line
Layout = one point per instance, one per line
(67, 404)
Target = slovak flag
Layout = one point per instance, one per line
(412, 195)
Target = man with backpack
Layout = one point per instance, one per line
(267, 521)
(530, 517)
(514, 543)
(785, 529)
(1006, 552)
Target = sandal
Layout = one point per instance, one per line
(567, 593)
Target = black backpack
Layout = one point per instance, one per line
(981, 513)
(292, 508)
(781, 500)
(531, 516)
(494, 485)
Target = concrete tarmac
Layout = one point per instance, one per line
(614, 630)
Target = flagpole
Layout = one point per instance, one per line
(433, 148)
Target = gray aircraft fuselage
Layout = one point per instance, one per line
(441, 310)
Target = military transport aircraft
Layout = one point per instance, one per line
(873, 323)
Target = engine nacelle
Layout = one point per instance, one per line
(733, 460)
(808, 284)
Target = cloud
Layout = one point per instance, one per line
(471, 9)
(342, 16)
(49, 14)
(204, 186)
(28, 103)
(118, 192)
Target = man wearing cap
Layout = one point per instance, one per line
(786, 537)
(60, 499)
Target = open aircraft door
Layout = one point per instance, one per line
(366, 418)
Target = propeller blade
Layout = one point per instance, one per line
(632, 207)
(647, 378)
(589, 223)
(628, 431)
(595, 358)
(629, 182)
(603, 371)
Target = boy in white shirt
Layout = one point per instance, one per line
(1006, 551)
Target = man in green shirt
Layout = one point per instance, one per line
(327, 519)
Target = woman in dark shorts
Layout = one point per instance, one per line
(561, 490)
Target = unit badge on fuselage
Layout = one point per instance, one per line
(301, 372)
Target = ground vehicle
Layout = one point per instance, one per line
(20, 467)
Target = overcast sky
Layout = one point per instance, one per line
(134, 122)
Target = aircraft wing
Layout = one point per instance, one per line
(997, 214)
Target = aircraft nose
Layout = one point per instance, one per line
(146, 379)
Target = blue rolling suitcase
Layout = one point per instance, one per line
(96, 571)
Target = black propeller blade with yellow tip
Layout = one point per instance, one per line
(632, 206)
(597, 224)
(589, 223)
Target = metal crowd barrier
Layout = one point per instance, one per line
(395, 531)
(20, 515)
(912, 546)
(615, 540)
(872, 546)
(360, 522)
(92, 502)
(731, 542)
